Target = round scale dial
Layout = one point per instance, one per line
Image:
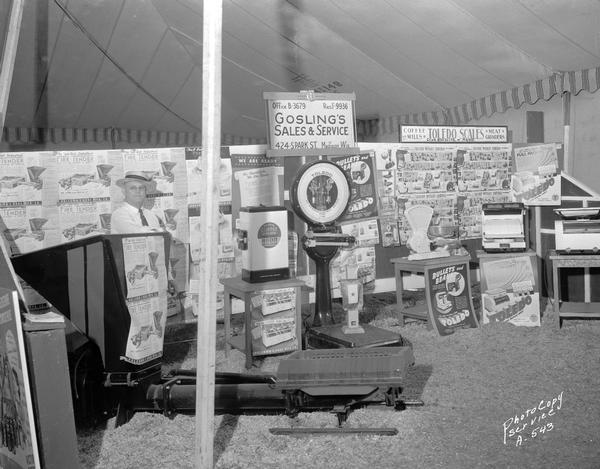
(320, 193)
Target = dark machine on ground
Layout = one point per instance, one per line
(86, 280)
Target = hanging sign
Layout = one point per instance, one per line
(453, 134)
(308, 123)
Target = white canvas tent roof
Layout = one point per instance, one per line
(136, 65)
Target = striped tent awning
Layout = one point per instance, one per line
(113, 137)
(546, 88)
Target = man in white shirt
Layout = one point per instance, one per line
(132, 217)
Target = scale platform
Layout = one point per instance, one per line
(328, 368)
(332, 336)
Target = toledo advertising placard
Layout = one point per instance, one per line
(450, 306)
(361, 173)
(453, 134)
(307, 123)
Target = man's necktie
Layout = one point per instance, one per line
(143, 218)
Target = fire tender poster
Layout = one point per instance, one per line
(363, 197)
(449, 299)
(146, 273)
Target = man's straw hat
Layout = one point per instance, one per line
(137, 176)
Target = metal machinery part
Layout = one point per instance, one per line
(320, 194)
(337, 380)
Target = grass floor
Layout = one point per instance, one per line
(476, 385)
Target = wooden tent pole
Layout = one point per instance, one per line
(8, 57)
(207, 316)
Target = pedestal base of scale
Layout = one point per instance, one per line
(333, 336)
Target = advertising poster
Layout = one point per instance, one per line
(425, 169)
(27, 177)
(363, 196)
(146, 280)
(84, 174)
(28, 227)
(194, 180)
(173, 213)
(163, 165)
(18, 443)
(365, 232)
(536, 180)
(144, 264)
(225, 240)
(195, 224)
(444, 222)
(385, 178)
(193, 161)
(469, 208)
(483, 167)
(226, 268)
(273, 321)
(257, 180)
(390, 235)
(449, 300)
(82, 218)
(178, 272)
(508, 290)
(353, 263)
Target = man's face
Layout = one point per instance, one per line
(135, 193)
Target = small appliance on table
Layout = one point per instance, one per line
(320, 194)
(577, 231)
(503, 227)
(262, 234)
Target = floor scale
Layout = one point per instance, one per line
(320, 195)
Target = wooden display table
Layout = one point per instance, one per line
(447, 291)
(572, 309)
(272, 317)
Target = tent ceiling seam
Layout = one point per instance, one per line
(143, 77)
(456, 52)
(503, 38)
(568, 39)
(102, 61)
(403, 80)
(119, 67)
(49, 62)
